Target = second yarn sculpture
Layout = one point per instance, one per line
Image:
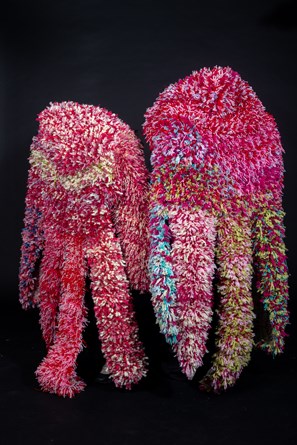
(216, 199)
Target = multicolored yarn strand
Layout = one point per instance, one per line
(193, 257)
(235, 329)
(163, 286)
(272, 275)
(216, 185)
(86, 214)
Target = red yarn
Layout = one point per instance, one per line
(85, 213)
(216, 156)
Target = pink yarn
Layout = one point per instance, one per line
(85, 215)
(217, 169)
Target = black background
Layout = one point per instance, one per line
(120, 55)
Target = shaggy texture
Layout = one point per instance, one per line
(216, 199)
(86, 213)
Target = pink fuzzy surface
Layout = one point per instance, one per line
(86, 213)
(216, 154)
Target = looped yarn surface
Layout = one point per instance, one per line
(85, 215)
(216, 210)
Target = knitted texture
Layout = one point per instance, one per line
(216, 199)
(86, 214)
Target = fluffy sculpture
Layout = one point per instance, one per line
(216, 210)
(85, 215)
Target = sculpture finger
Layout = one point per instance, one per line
(50, 287)
(272, 275)
(57, 373)
(235, 329)
(194, 235)
(118, 331)
(162, 278)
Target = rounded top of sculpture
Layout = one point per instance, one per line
(212, 125)
(74, 136)
(211, 94)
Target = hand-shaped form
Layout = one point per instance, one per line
(215, 199)
(85, 214)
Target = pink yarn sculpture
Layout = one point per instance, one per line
(85, 215)
(216, 206)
